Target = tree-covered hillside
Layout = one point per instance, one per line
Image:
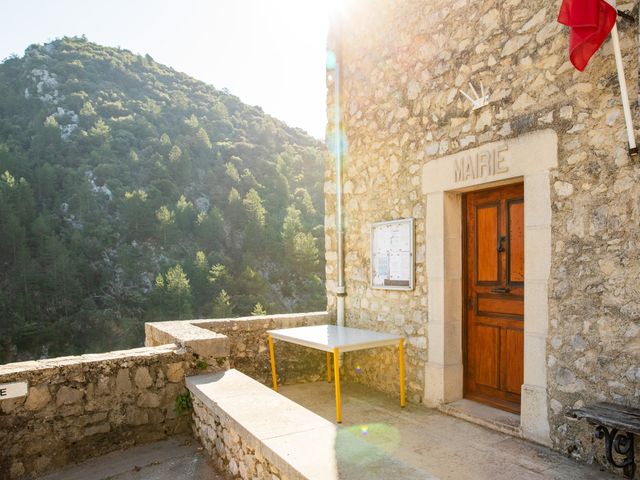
(130, 192)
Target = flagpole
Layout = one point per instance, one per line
(633, 149)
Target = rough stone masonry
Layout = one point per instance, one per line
(403, 63)
(81, 407)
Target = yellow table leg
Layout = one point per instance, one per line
(272, 356)
(328, 367)
(401, 360)
(336, 375)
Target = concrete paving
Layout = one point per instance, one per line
(378, 440)
(174, 459)
(439, 445)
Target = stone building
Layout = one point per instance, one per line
(526, 211)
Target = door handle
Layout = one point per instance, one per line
(501, 241)
(500, 290)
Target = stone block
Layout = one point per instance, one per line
(175, 372)
(96, 429)
(39, 397)
(143, 378)
(123, 382)
(68, 395)
(149, 400)
(136, 416)
(17, 470)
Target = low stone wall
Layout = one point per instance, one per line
(244, 341)
(230, 451)
(80, 407)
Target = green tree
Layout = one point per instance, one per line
(305, 252)
(222, 307)
(253, 205)
(175, 154)
(166, 218)
(136, 211)
(186, 214)
(258, 310)
(175, 293)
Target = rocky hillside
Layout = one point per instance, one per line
(132, 192)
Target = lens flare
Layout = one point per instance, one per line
(337, 140)
(358, 370)
(331, 60)
(365, 444)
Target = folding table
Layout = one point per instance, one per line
(335, 339)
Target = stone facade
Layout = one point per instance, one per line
(80, 407)
(402, 64)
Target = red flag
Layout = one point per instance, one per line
(590, 21)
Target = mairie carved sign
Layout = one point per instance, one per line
(492, 163)
(482, 163)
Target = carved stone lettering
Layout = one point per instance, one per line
(482, 164)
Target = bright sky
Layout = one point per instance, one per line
(267, 52)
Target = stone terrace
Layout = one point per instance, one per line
(92, 407)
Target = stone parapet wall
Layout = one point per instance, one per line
(243, 342)
(84, 406)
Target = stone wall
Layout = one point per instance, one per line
(249, 349)
(402, 64)
(229, 448)
(80, 407)
(243, 343)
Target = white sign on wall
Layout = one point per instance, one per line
(392, 260)
(13, 390)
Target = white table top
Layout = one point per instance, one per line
(328, 337)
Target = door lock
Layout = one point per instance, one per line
(501, 241)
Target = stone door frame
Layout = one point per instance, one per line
(528, 158)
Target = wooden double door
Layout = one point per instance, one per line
(494, 296)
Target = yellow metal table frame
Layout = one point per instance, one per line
(335, 340)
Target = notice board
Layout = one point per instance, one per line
(392, 256)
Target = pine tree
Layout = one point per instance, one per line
(222, 307)
(258, 310)
(166, 218)
(176, 294)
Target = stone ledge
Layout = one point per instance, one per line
(257, 433)
(261, 321)
(52, 363)
(257, 415)
(200, 341)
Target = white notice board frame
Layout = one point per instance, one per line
(377, 278)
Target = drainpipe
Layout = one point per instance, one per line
(338, 140)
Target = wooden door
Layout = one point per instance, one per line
(494, 307)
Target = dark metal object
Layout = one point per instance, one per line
(617, 425)
(633, 152)
(500, 290)
(501, 241)
(626, 15)
(622, 443)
